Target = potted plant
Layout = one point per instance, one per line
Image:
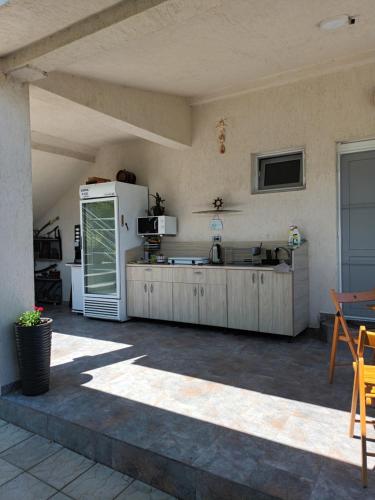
(33, 344)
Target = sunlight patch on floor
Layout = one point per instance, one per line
(302, 425)
(67, 348)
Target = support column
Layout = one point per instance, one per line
(16, 220)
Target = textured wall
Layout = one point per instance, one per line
(315, 114)
(16, 249)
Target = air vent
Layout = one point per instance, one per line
(101, 308)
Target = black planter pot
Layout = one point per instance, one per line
(33, 345)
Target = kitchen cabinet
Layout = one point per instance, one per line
(148, 298)
(160, 300)
(185, 302)
(137, 299)
(213, 305)
(243, 299)
(276, 302)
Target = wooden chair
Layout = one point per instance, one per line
(364, 384)
(346, 335)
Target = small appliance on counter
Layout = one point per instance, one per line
(216, 253)
(157, 224)
(188, 261)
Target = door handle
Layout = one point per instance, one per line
(152, 288)
(202, 291)
(253, 277)
(261, 278)
(122, 220)
(195, 291)
(145, 288)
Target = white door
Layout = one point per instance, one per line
(185, 302)
(213, 305)
(243, 299)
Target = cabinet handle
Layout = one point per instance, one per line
(145, 288)
(197, 272)
(253, 277)
(148, 269)
(195, 291)
(202, 291)
(261, 278)
(152, 287)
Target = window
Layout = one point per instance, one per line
(278, 172)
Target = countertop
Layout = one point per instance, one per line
(210, 266)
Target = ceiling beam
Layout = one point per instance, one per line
(160, 118)
(99, 21)
(61, 147)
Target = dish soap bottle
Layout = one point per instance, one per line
(294, 239)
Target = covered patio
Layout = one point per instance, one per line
(199, 412)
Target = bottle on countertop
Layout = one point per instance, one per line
(294, 239)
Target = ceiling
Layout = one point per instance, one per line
(231, 45)
(52, 177)
(59, 117)
(24, 21)
(201, 49)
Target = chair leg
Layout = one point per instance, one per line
(362, 410)
(354, 402)
(333, 350)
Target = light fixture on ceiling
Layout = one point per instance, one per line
(334, 23)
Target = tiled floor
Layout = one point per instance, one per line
(199, 411)
(34, 468)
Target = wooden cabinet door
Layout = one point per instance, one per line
(276, 302)
(160, 297)
(185, 302)
(213, 305)
(243, 299)
(137, 299)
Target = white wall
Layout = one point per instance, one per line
(16, 248)
(314, 114)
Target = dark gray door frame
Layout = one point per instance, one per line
(344, 148)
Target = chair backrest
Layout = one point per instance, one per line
(365, 339)
(352, 297)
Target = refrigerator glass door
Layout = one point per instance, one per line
(100, 247)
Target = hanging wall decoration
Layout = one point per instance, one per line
(221, 137)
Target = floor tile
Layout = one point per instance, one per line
(8, 471)
(11, 435)
(142, 491)
(61, 468)
(60, 496)
(30, 452)
(26, 487)
(98, 483)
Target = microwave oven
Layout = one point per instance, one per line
(157, 224)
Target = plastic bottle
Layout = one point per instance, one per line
(294, 238)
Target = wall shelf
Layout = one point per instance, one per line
(217, 212)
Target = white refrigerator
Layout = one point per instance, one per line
(109, 214)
